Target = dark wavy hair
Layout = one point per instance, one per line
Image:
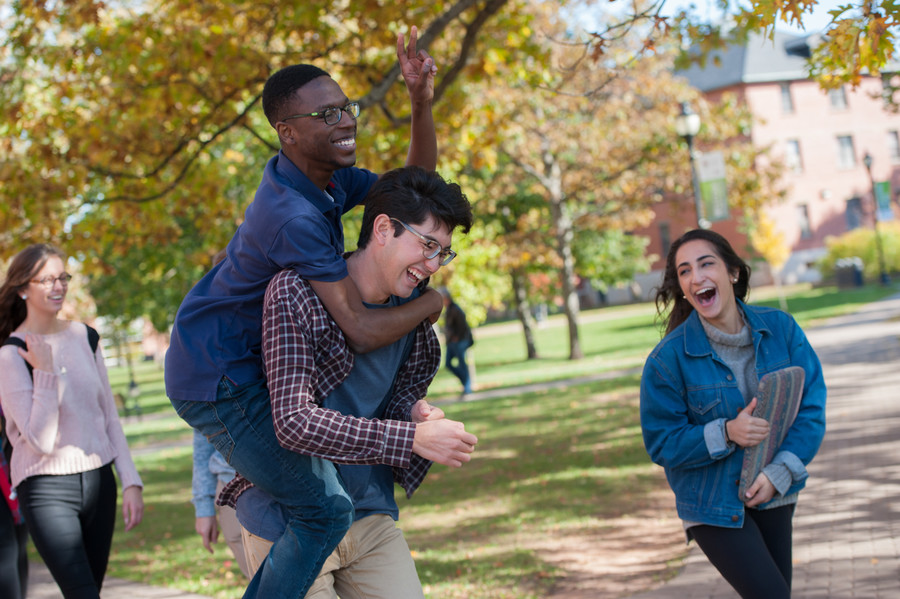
(21, 270)
(412, 194)
(669, 292)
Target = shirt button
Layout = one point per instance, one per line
(729, 377)
(735, 518)
(738, 482)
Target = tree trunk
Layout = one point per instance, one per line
(564, 238)
(523, 311)
(562, 222)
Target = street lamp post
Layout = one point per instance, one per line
(883, 276)
(687, 125)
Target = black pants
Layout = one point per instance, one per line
(71, 520)
(13, 555)
(755, 559)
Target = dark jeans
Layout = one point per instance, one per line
(239, 425)
(456, 363)
(71, 520)
(13, 557)
(755, 559)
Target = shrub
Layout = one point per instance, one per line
(862, 243)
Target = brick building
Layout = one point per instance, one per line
(821, 136)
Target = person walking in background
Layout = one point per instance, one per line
(214, 373)
(457, 340)
(210, 474)
(63, 425)
(698, 393)
(13, 533)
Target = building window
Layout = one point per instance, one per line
(854, 213)
(792, 157)
(893, 142)
(803, 221)
(838, 98)
(787, 104)
(665, 238)
(846, 155)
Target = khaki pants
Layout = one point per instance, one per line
(371, 562)
(231, 530)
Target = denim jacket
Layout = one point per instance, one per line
(687, 394)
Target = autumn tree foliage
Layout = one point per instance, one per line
(577, 149)
(860, 38)
(132, 133)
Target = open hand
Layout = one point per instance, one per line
(208, 529)
(132, 506)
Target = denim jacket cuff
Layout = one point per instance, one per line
(204, 506)
(714, 435)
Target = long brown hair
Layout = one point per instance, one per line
(21, 270)
(669, 292)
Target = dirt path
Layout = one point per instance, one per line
(625, 556)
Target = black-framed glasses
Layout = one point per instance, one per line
(432, 249)
(331, 115)
(48, 281)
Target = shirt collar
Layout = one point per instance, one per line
(324, 202)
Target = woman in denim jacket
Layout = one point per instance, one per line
(698, 393)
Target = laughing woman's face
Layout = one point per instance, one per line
(708, 285)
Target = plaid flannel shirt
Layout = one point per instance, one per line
(306, 357)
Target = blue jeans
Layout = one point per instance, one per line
(71, 518)
(239, 425)
(456, 351)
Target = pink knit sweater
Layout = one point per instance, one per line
(66, 421)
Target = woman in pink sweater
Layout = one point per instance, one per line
(63, 425)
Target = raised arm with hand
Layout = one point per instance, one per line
(418, 70)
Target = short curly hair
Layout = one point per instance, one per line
(282, 85)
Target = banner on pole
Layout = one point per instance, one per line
(713, 190)
(883, 200)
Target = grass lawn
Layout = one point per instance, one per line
(549, 466)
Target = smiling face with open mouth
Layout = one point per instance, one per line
(313, 145)
(409, 264)
(708, 285)
(47, 291)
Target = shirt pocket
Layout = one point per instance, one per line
(704, 402)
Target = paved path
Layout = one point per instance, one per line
(42, 586)
(847, 525)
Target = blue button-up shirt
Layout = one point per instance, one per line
(291, 223)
